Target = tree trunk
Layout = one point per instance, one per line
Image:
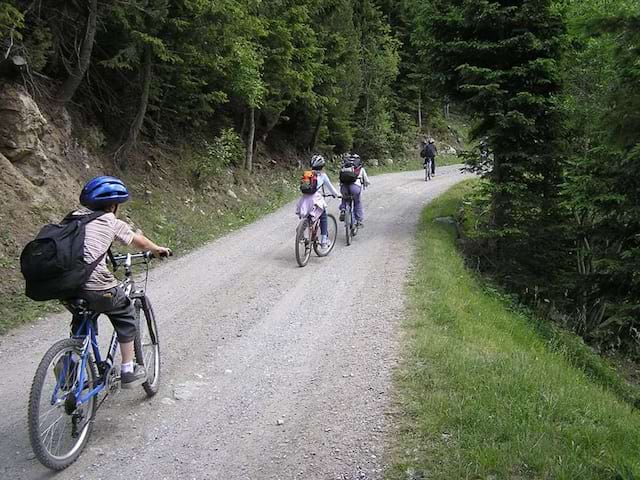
(122, 156)
(316, 132)
(71, 84)
(420, 111)
(248, 163)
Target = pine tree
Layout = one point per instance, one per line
(500, 58)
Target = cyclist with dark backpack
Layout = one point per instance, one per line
(353, 179)
(69, 261)
(428, 153)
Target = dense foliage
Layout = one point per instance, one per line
(308, 73)
(551, 87)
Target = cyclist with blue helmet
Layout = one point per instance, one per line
(102, 290)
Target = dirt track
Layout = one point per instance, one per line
(281, 372)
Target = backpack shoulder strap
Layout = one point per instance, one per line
(84, 219)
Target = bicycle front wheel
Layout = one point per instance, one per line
(147, 345)
(303, 242)
(332, 226)
(59, 428)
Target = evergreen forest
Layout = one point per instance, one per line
(549, 89)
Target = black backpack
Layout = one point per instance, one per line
(423, 150)
(53, 263)
(349, 172)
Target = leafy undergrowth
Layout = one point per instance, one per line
(488, 393)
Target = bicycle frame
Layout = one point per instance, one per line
(88, 333)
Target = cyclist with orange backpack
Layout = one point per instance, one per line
(312, 201)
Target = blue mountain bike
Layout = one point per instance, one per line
(73, 379)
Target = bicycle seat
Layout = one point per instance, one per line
(77, 305)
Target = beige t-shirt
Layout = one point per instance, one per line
(99, 235)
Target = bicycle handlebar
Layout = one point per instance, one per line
(122, 258)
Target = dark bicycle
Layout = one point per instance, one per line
(73, 379)
(428, 169)
(308, 237)
(351, 225)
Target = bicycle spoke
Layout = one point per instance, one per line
(52, 424)
(147, 358)
(62, 431)
(46, 414)
(49, 432)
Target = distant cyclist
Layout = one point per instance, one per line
(353, 179)
(429, 152)
(313, 201)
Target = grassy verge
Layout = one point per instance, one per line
(173, 215)
(488, 393)
(185, 220)
(412, 163)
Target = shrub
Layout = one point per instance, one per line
(224, 150)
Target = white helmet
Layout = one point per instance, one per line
(317, 162)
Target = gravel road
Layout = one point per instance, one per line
(270, 371)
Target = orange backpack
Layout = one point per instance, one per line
(309, 182)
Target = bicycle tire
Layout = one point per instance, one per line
(42, 453)
(302, 242)
(348, 218)
(147, 336)
(332, 224)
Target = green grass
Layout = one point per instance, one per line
(412, 163)
(486, 395)
(184, 223)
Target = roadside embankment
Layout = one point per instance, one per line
(484, 394)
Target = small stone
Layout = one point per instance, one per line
(232, 194)
(181, 392)
(167, 401)
(447, 220)
(97, 451)
(227, 371)
(280, 422)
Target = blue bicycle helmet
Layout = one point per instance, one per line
(103, 191)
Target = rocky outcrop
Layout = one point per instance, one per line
(22, 126)
(42, 165)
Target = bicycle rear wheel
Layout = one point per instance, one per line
(348, 219)
(147, 345)
(58, 428)
(303, 242)
(332, 226)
